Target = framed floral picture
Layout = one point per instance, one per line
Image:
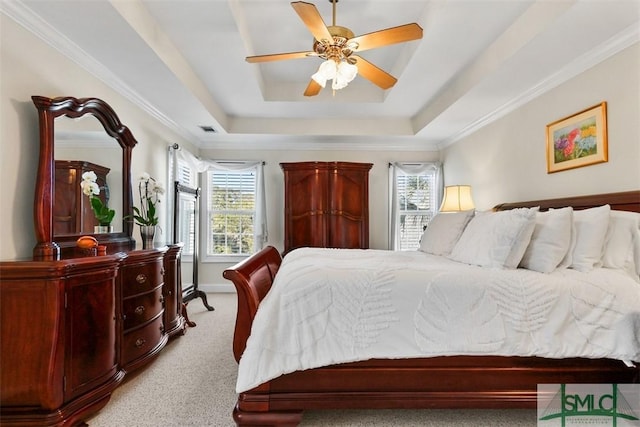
(578, 140)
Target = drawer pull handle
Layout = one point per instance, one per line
(161, 298)
(139, 310)
(141, 278)
(162, 271)
(140, 342)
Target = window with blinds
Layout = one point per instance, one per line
(231, 212)
(416, 195)
(186, 176)
(187, 223)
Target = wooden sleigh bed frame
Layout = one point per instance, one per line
(436, 382)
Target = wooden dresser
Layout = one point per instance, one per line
(326, 204)
(72, 329)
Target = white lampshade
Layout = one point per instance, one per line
(342, 73)
(346, 73)
(457, 198)
(327, 71)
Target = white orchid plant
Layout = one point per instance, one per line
(149, 190)
(90, 188)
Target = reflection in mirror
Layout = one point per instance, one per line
(78, 149)
(99, 118)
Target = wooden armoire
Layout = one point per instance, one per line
(72, 213)
(326, 204)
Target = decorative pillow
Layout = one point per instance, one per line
(619, 246)
(443, 232)
(495, 239)
(550, 241)
(591, 227)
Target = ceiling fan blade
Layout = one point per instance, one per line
(403, 33)
(312, 19)
(313, 88)
(280, 56)
(374, 74)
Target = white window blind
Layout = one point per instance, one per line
(415, 195)
(417, 200)
(231, 209)
(187, 176)
(187, 223)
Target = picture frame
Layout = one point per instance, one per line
(578, 140)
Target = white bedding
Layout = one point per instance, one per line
(330, 306)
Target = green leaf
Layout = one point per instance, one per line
(103, 214)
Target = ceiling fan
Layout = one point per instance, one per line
(337, 46)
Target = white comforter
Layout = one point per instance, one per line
(329, 306)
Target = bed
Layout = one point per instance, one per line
(444, 379)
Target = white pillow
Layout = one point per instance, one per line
(443, 232)
(550, 240)
(591, 227)
(619, 246)
(495, 239)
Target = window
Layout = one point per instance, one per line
(414, 197)
(185, 175)
(231, 205)
(187, 221)
(186, 226)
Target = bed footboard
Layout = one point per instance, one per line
(252, 278)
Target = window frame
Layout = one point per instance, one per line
(205, 218)
(432, 172)
(184, 169)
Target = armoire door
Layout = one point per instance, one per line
(348, 219)
(306, 204)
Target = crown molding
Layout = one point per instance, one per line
(33, 23)
(619, 42)
(320, 143)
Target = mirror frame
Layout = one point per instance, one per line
(48, 110)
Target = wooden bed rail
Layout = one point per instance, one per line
(252, 278)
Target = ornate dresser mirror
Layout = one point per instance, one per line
(51, 243)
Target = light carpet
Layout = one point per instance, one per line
(192, 383)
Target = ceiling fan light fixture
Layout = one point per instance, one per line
(337, 46)
(327, 71)
(345, 75)
(341, 72)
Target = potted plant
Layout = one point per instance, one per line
(103, 214)
(146, 216)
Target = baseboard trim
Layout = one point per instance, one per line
(222, 288)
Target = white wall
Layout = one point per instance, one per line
(29, 66)
(505, 161)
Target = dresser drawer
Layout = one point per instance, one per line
(142, 341)
(137, 310)
(140, 278)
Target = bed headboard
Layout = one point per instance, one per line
(623, 201)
